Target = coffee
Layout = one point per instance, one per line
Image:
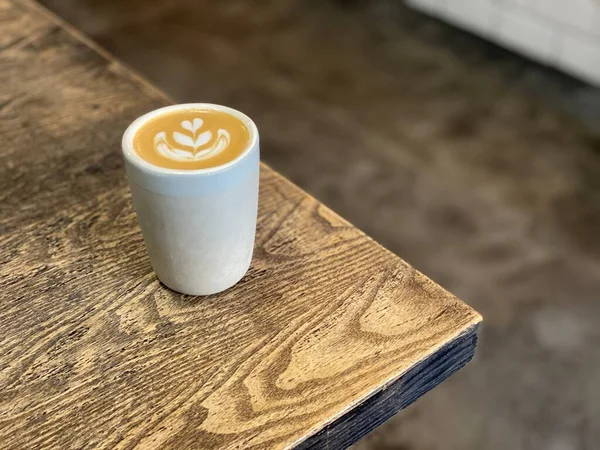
(191, 139)
(198, 225)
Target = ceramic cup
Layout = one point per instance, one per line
(198, 225)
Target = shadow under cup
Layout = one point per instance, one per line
(198, 225)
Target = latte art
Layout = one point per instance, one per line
(193, 146)
(192, 139)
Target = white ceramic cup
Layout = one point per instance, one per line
(198, 225)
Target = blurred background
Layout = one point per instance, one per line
(475, 164)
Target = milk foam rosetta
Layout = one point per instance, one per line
(191, 139)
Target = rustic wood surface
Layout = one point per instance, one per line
(328, 335)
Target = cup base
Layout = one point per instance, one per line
(214, 288)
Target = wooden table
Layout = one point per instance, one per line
(327, 336)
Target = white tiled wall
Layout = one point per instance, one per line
(561, 33)
(477, 18)
(526, 33)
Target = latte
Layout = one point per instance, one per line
(191, 139)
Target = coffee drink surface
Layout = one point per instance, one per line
(191, 139)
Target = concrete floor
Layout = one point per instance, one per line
(480, 169)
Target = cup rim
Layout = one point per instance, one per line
(132, 156)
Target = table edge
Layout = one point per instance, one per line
(390, 399)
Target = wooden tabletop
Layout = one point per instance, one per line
(327, 336)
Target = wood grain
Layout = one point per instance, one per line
(328, 334)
